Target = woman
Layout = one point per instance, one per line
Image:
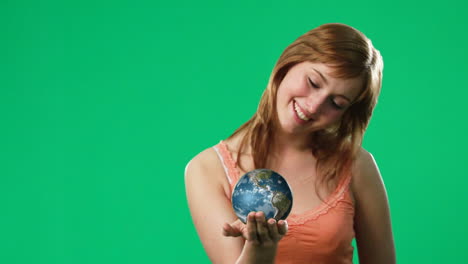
(309, 128)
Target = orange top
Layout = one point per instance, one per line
(321, 235)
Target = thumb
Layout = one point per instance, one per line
(282, 227)
(231, 230)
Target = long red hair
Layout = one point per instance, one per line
(350, 53)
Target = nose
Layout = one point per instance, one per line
(314, 104)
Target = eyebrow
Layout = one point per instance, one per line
(325, 81)
(321, 75)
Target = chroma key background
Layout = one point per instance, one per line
(103, 103)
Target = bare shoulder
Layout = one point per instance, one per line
(365, 171)
(206, 169)
(206, 185)
(367, 181)
(202, 161)
(372, 224)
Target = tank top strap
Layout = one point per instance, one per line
(229, 164)
(344, 184)
(339, 195)
(342, 191)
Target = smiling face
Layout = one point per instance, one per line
(309, 99)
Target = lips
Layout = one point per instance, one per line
(298, 114)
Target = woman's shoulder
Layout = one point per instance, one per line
(207, 191)
(364, 162)
(363, 158)
(203, 158)
(204, 161)
(372, 215)
(365, 172)
(206, 168)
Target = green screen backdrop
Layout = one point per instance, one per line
(103, 103)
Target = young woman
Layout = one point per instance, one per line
(309, 128)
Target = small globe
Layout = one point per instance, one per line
(262, 190)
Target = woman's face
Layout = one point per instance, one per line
(309, 99)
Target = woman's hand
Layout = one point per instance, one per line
(261, 237)
(257, 231)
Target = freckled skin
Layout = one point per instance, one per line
(317, 103)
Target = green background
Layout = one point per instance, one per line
(103, 103)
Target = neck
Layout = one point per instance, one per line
(291, 143)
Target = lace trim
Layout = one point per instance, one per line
(337, 196)
(221, 158)
(229, 162)
(293, 219)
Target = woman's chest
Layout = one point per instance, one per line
(307, 191)
(300, 172)
(324, 232)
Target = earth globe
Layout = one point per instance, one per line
(262, 190)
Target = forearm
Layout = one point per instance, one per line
(252, 253)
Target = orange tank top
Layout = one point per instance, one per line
(322, 235)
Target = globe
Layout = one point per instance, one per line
(262, 190)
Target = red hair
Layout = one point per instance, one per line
(350, 53)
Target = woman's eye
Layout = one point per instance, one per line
(313, 84)
(336, 105)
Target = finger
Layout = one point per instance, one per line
(282, 227)
(226, 229)
(229, 230)
(251, 227)
(273, 229)
(262, 229)
(241, 228)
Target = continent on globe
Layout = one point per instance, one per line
(262, 190)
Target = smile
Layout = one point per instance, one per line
(299, 113)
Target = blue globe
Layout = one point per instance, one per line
(262, 190)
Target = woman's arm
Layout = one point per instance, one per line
(372, 224)
(211, 212)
